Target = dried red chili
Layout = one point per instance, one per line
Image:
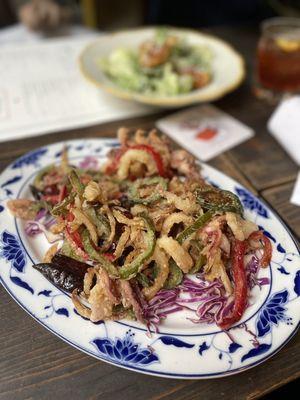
(267, 254)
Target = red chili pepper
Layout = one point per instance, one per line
(112, 167)
(109, 256)
(70, 217)
(62, 193)
(51, 198)
(240, 285)
(155, 155)
(75, 236)
(56, 197)
(267, 255)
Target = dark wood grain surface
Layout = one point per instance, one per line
(34, 364)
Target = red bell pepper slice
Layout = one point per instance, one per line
(75, 236)
(56, 198)
(155, 155)
(109, 256)
(112, 167)
(62, 193)
(51, 198)
(240, 285)
(267, 255)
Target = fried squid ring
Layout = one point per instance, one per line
(175, 218)
(189, 206)
(122, 242)
(162, 261)
(81, 218)
(50, 253)
(88, 280)
(122, 219)
(241, 228)
(218, 271)
(80, 308)
(112, 222)
(177, 252)
(132, 155)
(20, 208)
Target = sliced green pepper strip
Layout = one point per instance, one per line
(211, 198)
(38, 179)
(143, 279)
(67, 250)
(199, 264)
(175, 276)
(99, 220)
(135, 186)
(130, 270)
(201, 259)
(127, 313)
(76, 183)
(199, 223)
(94, 255)
(38, 205)
(61, 208)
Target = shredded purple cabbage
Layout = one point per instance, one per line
(213, 303)
(89, 163)
(252, 269)
(164, 303)
(41, 224)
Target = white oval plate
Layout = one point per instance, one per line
(227, 66)
(181, 349)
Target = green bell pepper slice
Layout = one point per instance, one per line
(134, 188)
(211, 198)
(61, 208)
(76, 183)
(198, 224)
(175, 276)
(130, 270)
(143, 279)
(95, 256)
(99, 220)
(38, 179)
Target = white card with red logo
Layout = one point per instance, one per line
(205, 131)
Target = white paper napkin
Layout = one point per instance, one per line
(295, 199)
(284, 125)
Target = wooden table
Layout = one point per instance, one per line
(34, 364)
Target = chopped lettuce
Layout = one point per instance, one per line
(168, 79)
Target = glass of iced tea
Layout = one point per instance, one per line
(278, 56)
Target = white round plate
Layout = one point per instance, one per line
(227, 66)
(181, 349)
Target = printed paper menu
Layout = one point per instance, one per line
(42, 90)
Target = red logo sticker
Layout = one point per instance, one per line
(207, 134)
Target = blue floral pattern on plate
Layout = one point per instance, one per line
(178, 350)
(125, 351)
(12, 251)
(272, 313)
(29, 159)
(251, 202)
